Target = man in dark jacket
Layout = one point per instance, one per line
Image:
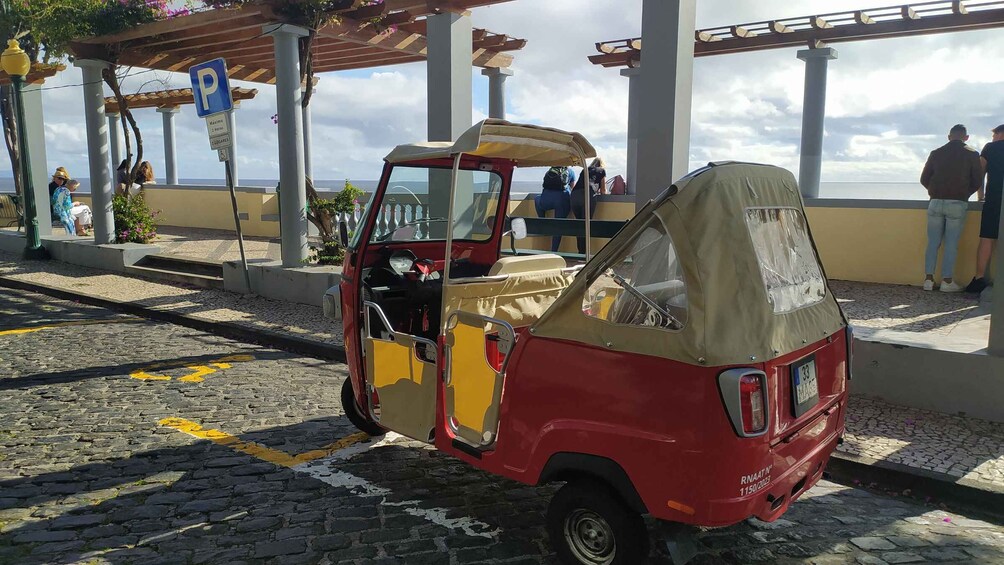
(952, 174)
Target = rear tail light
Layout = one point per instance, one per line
(744, 393)
(751, 397)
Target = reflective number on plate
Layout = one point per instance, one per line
(806, 386)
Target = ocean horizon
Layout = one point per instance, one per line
(851, 190)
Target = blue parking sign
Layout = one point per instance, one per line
(211, 87)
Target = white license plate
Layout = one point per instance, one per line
(806, 385)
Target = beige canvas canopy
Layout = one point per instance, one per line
(731, 317)
(529, 146)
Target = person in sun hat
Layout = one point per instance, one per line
(59, 179)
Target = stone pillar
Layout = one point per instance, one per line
(996, 343)
(308, 165)
(634, 90)
(810, 162)
(116, 143)
(170, 151)
(97, 149)
(496, 91)
(665, 100)
(34, 130)
(232, 120)
(450, 75)
(292, 189)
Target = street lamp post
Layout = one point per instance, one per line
(16, 64)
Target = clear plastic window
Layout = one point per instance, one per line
(417, 200)
(642, 287)
(787, 260)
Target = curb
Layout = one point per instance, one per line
(857, 471)
(230, 330)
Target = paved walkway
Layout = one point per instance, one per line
(951, 446)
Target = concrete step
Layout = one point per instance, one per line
(202, 281)
(182, 265)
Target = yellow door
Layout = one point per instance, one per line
(473, 385)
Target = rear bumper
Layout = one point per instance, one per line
(771, 502)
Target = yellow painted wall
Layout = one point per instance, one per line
(211, 209)
(884, 245)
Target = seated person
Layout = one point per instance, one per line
(75, 216)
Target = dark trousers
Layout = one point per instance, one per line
(556, 200)
(579, 211)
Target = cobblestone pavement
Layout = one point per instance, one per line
(951, 445)
(254, 312)
(903, 308)
(115, 447)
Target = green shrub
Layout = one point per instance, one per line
(134, 221)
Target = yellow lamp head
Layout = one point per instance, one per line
(14, 60)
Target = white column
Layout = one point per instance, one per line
(666, 96)
(292, 189)
(34, 130)
(232, 119)
(810, 162)
(116, 142)
(308, 165)
(97, 149)
(496, 91)
(170, 147)
(634, 90)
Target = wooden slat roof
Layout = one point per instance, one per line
(37, 74)
(170, 98)
(361, 37)
(816, 31)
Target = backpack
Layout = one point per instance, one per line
(556, 178)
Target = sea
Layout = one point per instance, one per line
(851, 190)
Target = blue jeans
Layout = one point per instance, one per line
(556, 200)
(945, 219)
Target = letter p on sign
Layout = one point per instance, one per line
(211, 88)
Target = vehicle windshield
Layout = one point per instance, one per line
(416, 204)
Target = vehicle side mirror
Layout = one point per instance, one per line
(343, 235)
(518, 228)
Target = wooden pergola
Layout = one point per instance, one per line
(817, 31)
(37, 75)
(388, 33)
(170, 98)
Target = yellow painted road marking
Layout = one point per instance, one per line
(198, 371)
(33, 329)
(274, 456)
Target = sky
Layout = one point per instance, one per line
(889, 101)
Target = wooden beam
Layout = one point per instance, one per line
(705, 37)
(492, 60)
(210, 31)
(490, 42)
(909, 13)
(739, 31)
(173, 25)
(862, 18)
(397, 18)
(213, 41)
(959, 7)
(778, 27)
(819, 23)
(351, 66)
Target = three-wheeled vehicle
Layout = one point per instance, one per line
(695, 369)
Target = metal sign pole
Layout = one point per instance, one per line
(237, 224)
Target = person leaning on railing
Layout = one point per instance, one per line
(992, 159)
(951, 175)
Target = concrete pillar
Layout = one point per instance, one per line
(634, 91)
(996, 343)
(232, 120)
(496, 91)
(666, 97)
(292, 189)
(450, 76)
(34, 130)
(97, 149)
(810, 162)
(116, 146)
(308, 165)
(170, 151)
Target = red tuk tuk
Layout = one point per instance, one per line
(694, 369)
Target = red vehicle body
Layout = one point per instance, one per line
(658, 432)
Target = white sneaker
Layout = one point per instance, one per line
(950, 287)
(928, 285)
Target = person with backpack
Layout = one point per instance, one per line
(597, 176)
(554, 196)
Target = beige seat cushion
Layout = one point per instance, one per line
(527, 264)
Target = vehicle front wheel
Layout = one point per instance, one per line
(589, 525)
(352, 412)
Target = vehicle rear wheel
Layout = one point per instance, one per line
(355, 416)
(589, 525)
